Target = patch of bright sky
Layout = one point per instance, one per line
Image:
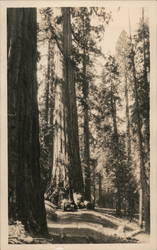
(120, 22)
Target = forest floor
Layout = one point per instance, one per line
(87, 226)
(98, 226)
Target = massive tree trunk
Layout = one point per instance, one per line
(25, 194)
(70, 108)
(66, 173)
(60, 179)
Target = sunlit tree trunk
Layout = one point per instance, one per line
(46, 117)
(141, 156)
(66, 171)
(60, 175)
(23, 125)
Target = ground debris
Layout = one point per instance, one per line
(18, 234)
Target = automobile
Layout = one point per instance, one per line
(69, 206)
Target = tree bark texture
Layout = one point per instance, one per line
(128, 132)
(25, 193)
(60, 173)
(49, 105)
(70, 108)
(85, 91)
(147, 130)
(116, 153)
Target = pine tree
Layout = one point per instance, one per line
(46, 110)
(139, 58)
(85, 49)
(122, 51)
(114, 143)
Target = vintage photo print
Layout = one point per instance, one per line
(78, 124)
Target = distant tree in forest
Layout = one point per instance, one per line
(140, 68)
(110, 138)
(117, 147)
(26, 200)
(122, 52)
(46, 85)
(85, 37)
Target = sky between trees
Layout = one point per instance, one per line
(120, 21)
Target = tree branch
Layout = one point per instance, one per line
(76, 39)
(55, 37)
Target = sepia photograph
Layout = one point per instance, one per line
(78, 126)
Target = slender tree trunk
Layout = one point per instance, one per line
(128, 130)
(85, 90)
(94, 183)
(23, 124)
(147, 90)
(144, 189)
(51, 103)
(100, 189)
(49, 110)
(147, 130)
(129, 195)
(116, 152)
(48, 86)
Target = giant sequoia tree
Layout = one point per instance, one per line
(70, 104)
(66, 170)
(26, 201)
